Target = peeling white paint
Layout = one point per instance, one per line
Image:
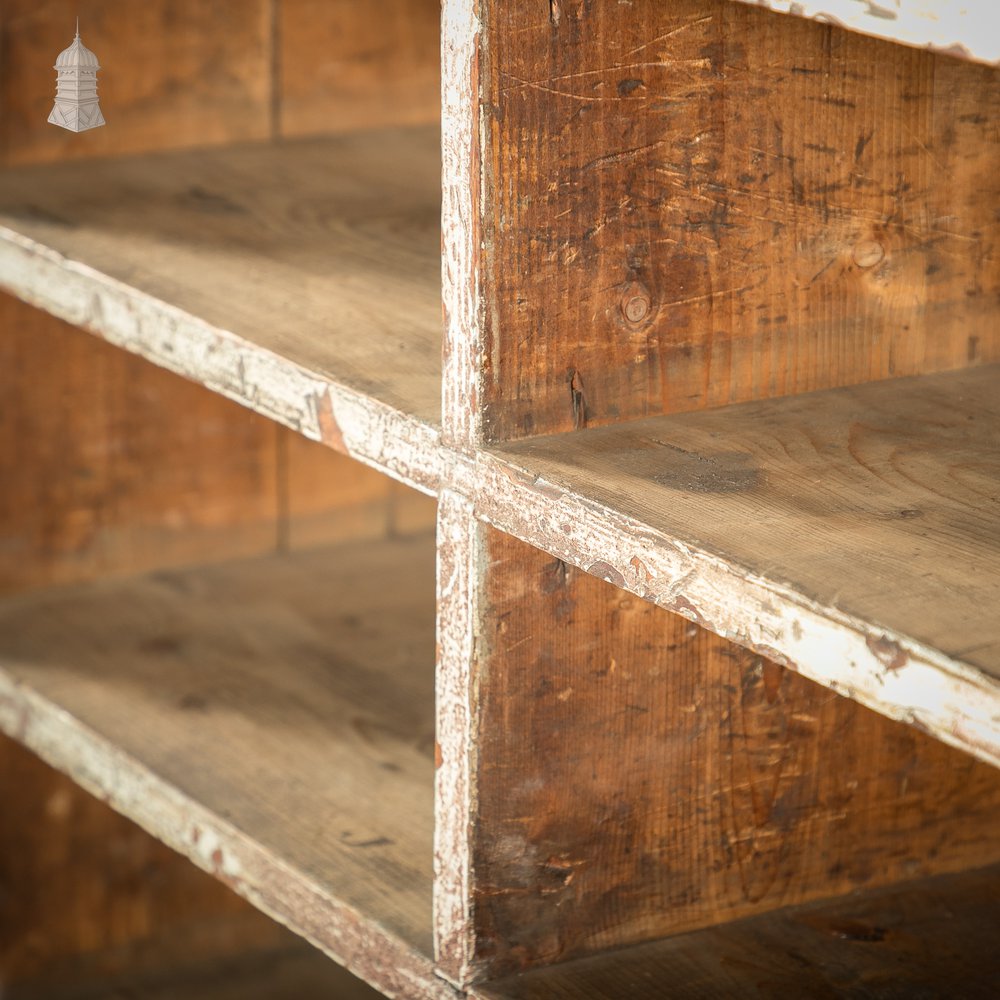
(196, 831)
(966, 28)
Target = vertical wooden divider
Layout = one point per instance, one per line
(649, 208)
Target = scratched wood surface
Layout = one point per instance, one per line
(348, 65)
(271, 719)
(691, 204)
(875, 501)
(80, 886)
(636, 776)
(175, 73)
(319, 253)
(934, 938)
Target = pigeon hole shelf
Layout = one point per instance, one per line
(702, 450)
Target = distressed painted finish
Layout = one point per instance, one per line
(965, 28)
(216, 284)
(284, 749)
(692, 204)
(636, 776)
(461, 226)
(455, 786)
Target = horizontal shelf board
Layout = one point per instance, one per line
(853, 533)
(930, 938)
(301, 278)
(298, 972)
(272, 719)
(966, 29)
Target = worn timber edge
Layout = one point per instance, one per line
(359, 944)
(969, 30)
(938, 694)
(943, 696)
(361, 426)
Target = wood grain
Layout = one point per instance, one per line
(694, 204)
(271, 719)
(175, 73)
(111, 466)
(873, 508)
(83, 888)
(300, 279)
(348, 65)
(930, 939)
(278, 974)
(635, 776)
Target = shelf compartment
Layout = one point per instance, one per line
(299, 278)
(930, 938)
(853, 534)
(271, 719)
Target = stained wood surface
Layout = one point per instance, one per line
(174, 73)
(854, 533)
(966, 29)
(348, 65)
(692, 204)
(635, 776)
(111, 466)
(302, 279)
(271, 719)
(930, 939)
(295, 971)
(82, 886)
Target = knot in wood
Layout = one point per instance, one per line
(868, 253)
(636, 303)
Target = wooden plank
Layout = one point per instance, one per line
(934, 938)
(346, 65)
(174, 73)
(110, 466)
(635, 776)
(271, 719)
(294, 971)
(300, 279)
(692, 204)
(966, 29)
(83, 888)
(852, 534)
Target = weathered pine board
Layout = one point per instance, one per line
(270, 719)
(967, 29)
(629, 775)
(670, 206)
(85, 892)
(174, 73)
(348, 65)
(295, 971)
(854, 534)
(935, 938)
(112, 466)
(301, 279)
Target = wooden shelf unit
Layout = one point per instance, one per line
(710, 425)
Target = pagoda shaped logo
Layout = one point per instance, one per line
(76, 106)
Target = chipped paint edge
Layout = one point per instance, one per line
(968, 29)
(461, 238)
(365, 428)
(339, 930)
(455, 791)
(890, 673)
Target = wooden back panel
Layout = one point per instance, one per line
(690, 204)
(636, 776)
(180, 73)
